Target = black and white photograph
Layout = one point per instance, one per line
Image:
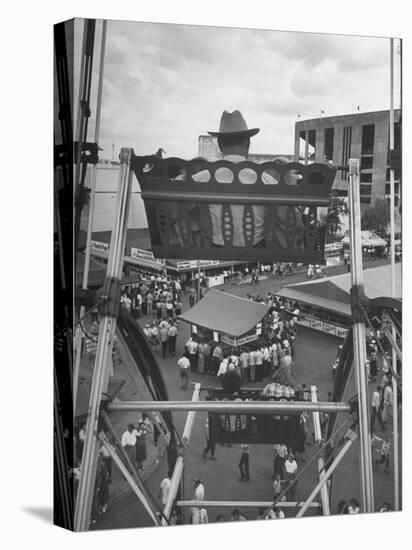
(227, 275)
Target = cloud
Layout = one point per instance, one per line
(167, 84)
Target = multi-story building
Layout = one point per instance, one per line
(209, 150)
(364, 136)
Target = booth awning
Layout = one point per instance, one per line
(97, 273)
(225, 313)
(333, 293)
(367, 239)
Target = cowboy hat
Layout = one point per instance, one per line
(232, 124)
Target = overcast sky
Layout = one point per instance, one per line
(164, 85)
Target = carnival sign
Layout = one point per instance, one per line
(196, 264)
(147, 255)
(97, 245)
(236, 211)
(246, 339)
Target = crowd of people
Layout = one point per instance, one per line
(159, 297)
(269, 360)
(256, 361)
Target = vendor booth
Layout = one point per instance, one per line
(324, 304)
(226, 318)
(373, 246)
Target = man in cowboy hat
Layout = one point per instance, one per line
(233, 139)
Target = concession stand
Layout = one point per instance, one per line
(225, 318)
(324, 305)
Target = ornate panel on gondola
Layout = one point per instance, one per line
(235, 211)
(254, 428)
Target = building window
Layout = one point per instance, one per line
(388, 188)
(368, 139)
(366, 163)
(329, 141)
(397, 174)
(366, 178)
(397, 135)
(311, 145)
(365, 190)
(365, 199)
(302, 145)
(346, 147)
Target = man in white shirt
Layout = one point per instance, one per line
(223, 367)
(128, 442)
(192, 348)
(199, 495)
(165, 488)
(291, 466)
(184, 366)
(173, 333)
(290, 471)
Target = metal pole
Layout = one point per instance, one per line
(105, 344)
(178, 470)
(79, 333)
(359, 347)
(321, 463)
(306, 147)
(393, 289)
(351, 438)
(231, 407)
(129, 478)
(241, 504)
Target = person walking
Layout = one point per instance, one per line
(210, 441)
(217, 356)
(385, 452)
(244, 366)
(184, 367)
(164, 337)
(252, 365)
(141, 450)
(244, 462)
(259, 365)
(165, 485)
(387, 401)
(206, 353)
(376, 409)
(201, 359)
(128, 442)
(290, 471)
(192, 351)
(172, 337)
(199, 496)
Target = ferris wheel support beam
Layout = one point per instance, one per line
(359, 346)
(110, 306)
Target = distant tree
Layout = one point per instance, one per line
(376, 218)
(334, 222)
